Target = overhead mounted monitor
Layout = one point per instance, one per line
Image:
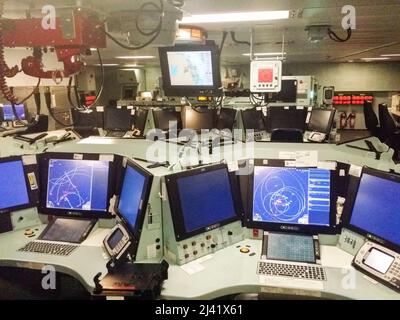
(202, 200)
(77, 185)
(190, 70)
(134, 196)
(15, 185)
(373, 209)
(7, 112)
(283, 198)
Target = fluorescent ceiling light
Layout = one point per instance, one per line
(236, 17)
(132, 66)
(374, 59)
(391, 55)
(135, 57)
(128, 69)
(107, 64)
(265, 54)
(93, 49)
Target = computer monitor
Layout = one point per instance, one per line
(291, 117)
(226, 119)
(288, 93)
(372, 208)
(167, 119)
(202, 200)
(321, 120)
(134, 196)
(140, 118)
(78, 185)
(254, 120)
(285, 198)
(191, 70)
(17, 182)
(117, 119)
(198, 118)
(7, 112)
(86, 118)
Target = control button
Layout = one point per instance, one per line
(186, 255)
(193, 243)
(244, 250)
(185, 246)
(213, 246)
(195, 253)
(208, 237)
(230, 233)
(29, 232)
(203, 245)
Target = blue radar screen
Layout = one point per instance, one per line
(78, 185)
(291, 195)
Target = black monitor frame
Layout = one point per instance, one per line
(288, 93)
(140, 119)
(137, 229)
(175, 203)
(121, 109)
(112, 179)
(255, 112)
(157, 114)
(224, 116)
(330, 122)
(191, 91)
(288, 227)
(205, 111)
(351, 199)
(292, 119)
(33, 195)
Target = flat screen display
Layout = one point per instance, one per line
(206, 199)
(8, 113)
(376, 208)
(190, 68)
(289, 247)
(321, 120)
(77, 185)
(292, 196)
(379, 260)
(13, 186)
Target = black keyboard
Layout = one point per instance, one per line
(301, 271)
(116, 134)
(49, 248)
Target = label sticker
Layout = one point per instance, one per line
(100, 109)
(299, 107)
(233, 166)
(342, 173)
(119, 107)
(106, 157)
(32, 181)
(286, 108)
(133, 111)
(129, 107)
(29, 160)
(355, 171)
(308, 117)
(78, 156)
(290, 163)
(327, 165)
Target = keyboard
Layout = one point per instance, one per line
(116, 134)
(301, 271)
(49, 248)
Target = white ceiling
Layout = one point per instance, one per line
(377, 25)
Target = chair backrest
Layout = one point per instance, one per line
(388, 124)
(371, 120)
(287, 135)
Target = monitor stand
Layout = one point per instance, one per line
(71, 230)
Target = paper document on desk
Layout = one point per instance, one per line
(302, 158)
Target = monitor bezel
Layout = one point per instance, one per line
(351, 200)
(44, 169)
(106, 120)
(31, 200)
(254, 111)
(288, 227)
(177, 216)
(330, 123)
(156, 118)
(137, 229)
(191, 91)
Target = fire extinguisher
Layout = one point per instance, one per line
(343, 120)
(352, 120)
